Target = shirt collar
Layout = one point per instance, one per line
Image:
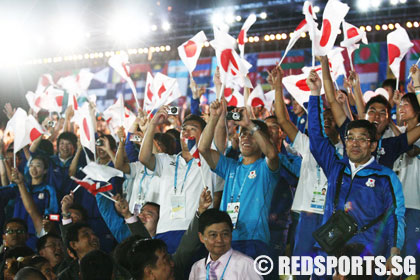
(223, 259)
(355, 169)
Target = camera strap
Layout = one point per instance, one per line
(337, 195)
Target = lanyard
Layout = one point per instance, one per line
(224, 270)
(318, 174)
(176, 172)
(243, 183)
(379, 150)
(141, 181)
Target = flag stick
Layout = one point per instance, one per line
(313, 61)
(336, 85)
(417, 63)
(202, 176)
(110, 198)
(14, 160)
(398, 80)
(351, 62)
(76, 188)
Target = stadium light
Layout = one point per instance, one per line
(68, 33)
(166, 26)
(263, 15)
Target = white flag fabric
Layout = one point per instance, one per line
(310, 17)
(84, 120)
(160, 90)
(100, 172)
(294, 37)
(44, 82)
(336, 61)
(296, 85)
(33, 129)
(352, 37)
(17, 125)
(190, 50)
(252, 18)
(118, 115)
(236, 99)
(257, 98)
(334, 14)
(398, 44)
(119, 62)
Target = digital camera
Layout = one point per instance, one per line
(235, 116)
(173, 110)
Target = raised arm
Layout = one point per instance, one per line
(276, 76)
(204, 146)
(265, 145)
(360, 103)
(28, 201)
(146, 155)
(75, 161)
(120, 158)
(337, 110)
(220, 133)
(415, 73)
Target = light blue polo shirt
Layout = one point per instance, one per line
(257, 182)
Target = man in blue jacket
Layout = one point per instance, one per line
(368, 189)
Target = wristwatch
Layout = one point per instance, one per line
(254, 129)
(66, 215)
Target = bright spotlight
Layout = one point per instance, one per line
(167, 48)
(409, 24)
(362, 28)
(153, 27)
(272, 37)
(267, 37)
(384, 27)
(216, 19)
(375, 3)
(393, 2)
(263, 15)
(206, 44)
(303, 35)
(316, 9)
(390, 26)
(362, 5)
(377, 27)
(229, 18)
(416, 24)
(68, 33)
(123, 29)
(403, 1)
(368, 28)
(166, 26)
(251, 39)
(284, 36)
(256, 38)
(238, 18)
(278, 36)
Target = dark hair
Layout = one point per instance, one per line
(21, 251)
(213, 216)
(263, 127)
(357, 250)
(111, 140)
(152, 204)
(28, 272)
(389, 83)
(120, 253)
(175, 134)
(271, 118)
(72, 234)
(81, 209)
(196, 118)
(167, 141)
(96, 265)
(36, 261)
(379, 99)
(143, 254)
(40, 243)
(44, 160)
(45, 148)
(69, 136)
(412, 99)
(370, 127)
(15, 220)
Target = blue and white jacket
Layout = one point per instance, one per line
(374, 190)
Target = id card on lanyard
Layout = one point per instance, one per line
(141, 196)
(178, 210)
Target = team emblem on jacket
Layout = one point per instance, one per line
(381, 151)
(302, 121)
(370, 183)
(252, 174)
(41, 196)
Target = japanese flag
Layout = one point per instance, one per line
(119, 63)
(257, 98)
(100, 172)
(236, 99)
(301, 28)
(242, 34)
(33, 129)
(334, 14)
(336, 62)
(148, 93)
(17, 125)
(44, 82)
(118, 115)
(310, 17)
(160, 90)
(296, 85)
(190, 50)
(398, 44)
(352, 37)
(92, 186)
(83, 119)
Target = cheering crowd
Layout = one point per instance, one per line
(201, 196)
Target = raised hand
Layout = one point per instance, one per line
(205, 200)
(314, 82)
(121, 206)
(66, 202)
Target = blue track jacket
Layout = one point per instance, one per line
(374, 190)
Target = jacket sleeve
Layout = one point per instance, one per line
(115, 223)
(320, 146)
(291, 170)
(395, 224)
(138, 228)
(188, 246)
(130, 149)
(195, 106)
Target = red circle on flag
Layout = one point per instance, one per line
(364, 53)
(59, 100)
(38, 101)
(44, 81)
(302, 85)
(190, 48)
(227, 92)
(352, 32)
(86, 129)
(161, 90)
(241, 37)
(393, 53)
(326, 32)
(257, 102)
(75, 105)
(149, 93)
(233, 102)
(301, 24)
(226, 58)
(310, 10)
(34, 134)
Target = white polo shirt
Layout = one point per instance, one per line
(188, 184)
(309, 195)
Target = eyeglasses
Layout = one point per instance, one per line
(361, 140)
(213, 236)
(382, 114)
(17, 231)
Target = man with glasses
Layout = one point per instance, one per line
(215, 232)
(50, 246)
(15, 234)
(367, 191)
